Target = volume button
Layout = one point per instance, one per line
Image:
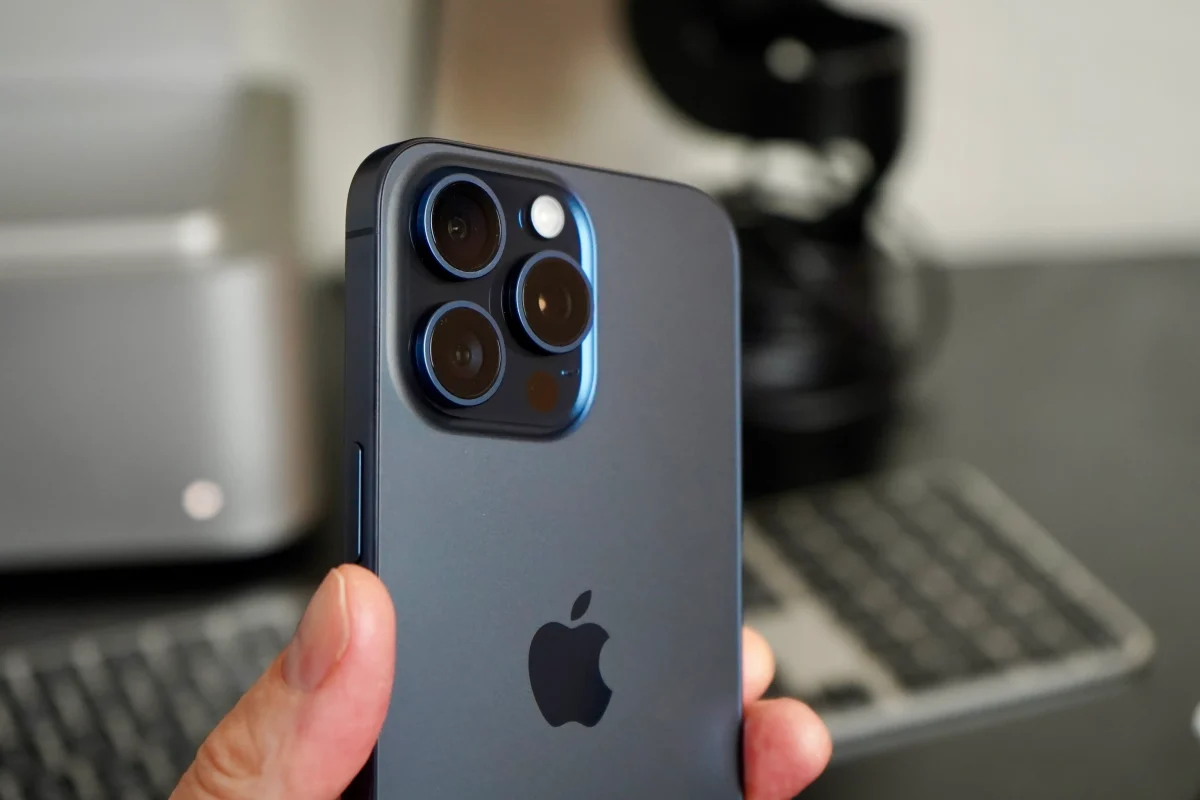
(358, 504)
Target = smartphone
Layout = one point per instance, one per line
(543, 436)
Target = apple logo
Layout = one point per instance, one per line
(564, 670)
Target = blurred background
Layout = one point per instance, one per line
(1060, 127)
(971, 249)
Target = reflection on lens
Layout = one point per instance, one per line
(462, 353)
(554, 302)
(463, 226)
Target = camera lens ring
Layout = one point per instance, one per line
(427, 355)
(528, 328)
(428, 230)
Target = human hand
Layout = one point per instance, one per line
(305, 729)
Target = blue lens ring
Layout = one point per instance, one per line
(426, 352)
(519, 291)
(429, 200)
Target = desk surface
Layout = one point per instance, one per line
(1078, 390)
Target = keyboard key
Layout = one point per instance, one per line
(839, 697)
(905, 490)
(965, 612)
(912, 675)
(934, 519)
(162, 772)
(67, 699)
(999, 645)
(849, 569)
(10, 788)
(195, 716)
(992, 572)
(120, 730)
(84, 781)
(821, 539)
(160, 650)
(139, 688)
(935, 583)
(22, 687)
(1024, 600)
(876, 531)
(48, 744)
(213, 680)
(95, 676)
(906, 557)
(877, 596)
(797, 510)
(168, 732)
(851, 501)
(962, 543)
(938, 658)
(905, 625)
(16, 751)
(182, 752)
(125, 780)
(9, 735)
(54, 786)
(845, 695)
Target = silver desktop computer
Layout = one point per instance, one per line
(154, 403)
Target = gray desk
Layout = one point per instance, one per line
(1078, 390)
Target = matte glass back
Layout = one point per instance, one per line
(482, 540)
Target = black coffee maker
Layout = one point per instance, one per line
(822, 95)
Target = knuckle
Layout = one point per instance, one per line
(228, 764)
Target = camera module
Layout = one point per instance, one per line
(462, 225)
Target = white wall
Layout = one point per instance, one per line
(1057, 124)
(357, 67)
(1039, 125)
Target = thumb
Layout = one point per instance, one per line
(307, 726)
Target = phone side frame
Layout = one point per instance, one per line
(363, 319)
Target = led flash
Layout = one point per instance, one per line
(547, 217)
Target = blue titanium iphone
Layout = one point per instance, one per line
(542, 428)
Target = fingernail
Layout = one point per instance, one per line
(321, 638)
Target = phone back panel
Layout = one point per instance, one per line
(483, 540)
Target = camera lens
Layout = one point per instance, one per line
(553, 302)
(462, 353)
(463, 226)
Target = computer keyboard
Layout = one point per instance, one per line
(923, 597)
(119, 715)
(896, 606)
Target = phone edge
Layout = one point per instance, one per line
(363, 317)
